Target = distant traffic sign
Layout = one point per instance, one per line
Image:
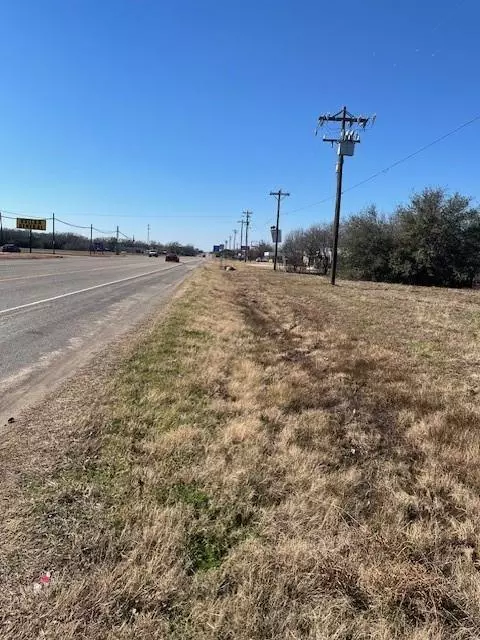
(216, 248)
(30, 223)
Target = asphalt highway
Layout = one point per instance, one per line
(56, 314)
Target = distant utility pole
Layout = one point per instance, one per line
(91, 239)
(247, 215)
(116, 244)
(234, 237)
(346, 142)
(53, 233)
(148, 234)
(241, 222)
(230, 242)
(279, 195)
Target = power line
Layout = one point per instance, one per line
(105, 233)
(415, 153)
(391, 166)
(120, 215)
(69, 224)
(16, 214)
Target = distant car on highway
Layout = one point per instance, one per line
(153, 253)
(11, 248)
(172, 257)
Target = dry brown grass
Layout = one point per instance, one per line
(276, 459)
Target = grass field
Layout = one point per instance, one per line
(274, 459)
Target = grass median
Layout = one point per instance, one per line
(273, 459)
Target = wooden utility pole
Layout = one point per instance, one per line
(241, 223)
(279, 195)
(235, 231)
(247, 215)
(346, 142)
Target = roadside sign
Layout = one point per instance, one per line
(216, 248)
(30, 223)
(245, 248)
(221, 247)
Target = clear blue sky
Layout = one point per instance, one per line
(182, 113)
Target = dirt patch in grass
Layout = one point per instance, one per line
(275, 459)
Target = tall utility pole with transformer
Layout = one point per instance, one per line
(346, 141)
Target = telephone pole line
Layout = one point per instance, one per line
(278, 195)
(346, 142)
(148, 234)
(247, 215)
(235, 231)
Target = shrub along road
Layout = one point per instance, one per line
(274, 459)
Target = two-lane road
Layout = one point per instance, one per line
(55, 314)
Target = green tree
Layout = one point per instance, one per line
(436, 240)
(366, 246)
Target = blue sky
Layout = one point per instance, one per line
(182, 113)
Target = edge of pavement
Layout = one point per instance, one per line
(79, 383)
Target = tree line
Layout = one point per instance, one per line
(432, 240)
(76, 242)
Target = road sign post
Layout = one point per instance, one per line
(30, 224)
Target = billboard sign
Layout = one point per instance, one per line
(30, 223)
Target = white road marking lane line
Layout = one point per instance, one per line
(65, 273)
(73, 293)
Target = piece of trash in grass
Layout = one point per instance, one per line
(43, 581)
